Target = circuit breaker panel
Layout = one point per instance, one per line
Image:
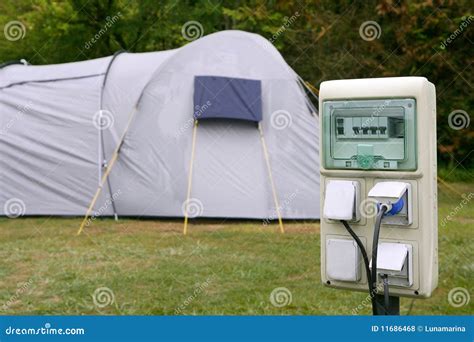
(370, 134)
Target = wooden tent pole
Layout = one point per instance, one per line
(99, 190)
(190, 179)
(102, 160)
(106, 174)
(270, 176)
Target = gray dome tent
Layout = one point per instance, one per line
(60, 125)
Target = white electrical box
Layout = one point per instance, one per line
(378, 149)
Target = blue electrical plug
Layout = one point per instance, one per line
(395, 209)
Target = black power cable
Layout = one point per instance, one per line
(372, 276)
(375, 245)
(366, 263)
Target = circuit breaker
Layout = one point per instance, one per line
(370, 134)
(378, 166)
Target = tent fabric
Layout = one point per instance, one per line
(19, 74)
(53, 152)
(227, 98)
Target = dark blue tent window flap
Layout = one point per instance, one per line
(217, 97)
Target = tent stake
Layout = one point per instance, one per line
(107, 172)
(270, 176)
(190, 179)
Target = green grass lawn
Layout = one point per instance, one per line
(219, 268)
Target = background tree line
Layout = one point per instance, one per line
(320, 39)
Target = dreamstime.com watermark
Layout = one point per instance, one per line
(198, 111)
(283, 206)
(458, 296)
(464, 202)
(370, 30)
(14, 207)
(286, 24)
(19, 291)
(459, 119)
(192, 30)
(462, 27)
(368, 208)
(103, 119)
(21, 111)
(192, 208)
(199, 289)
(281, 119)
(109, 22)
(104, 207)
(280, 297)
(367, 300)
(14, 30)
(375, 114)
(46, 330)
(103, 296)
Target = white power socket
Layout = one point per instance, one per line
(342, 198)
(390, 193)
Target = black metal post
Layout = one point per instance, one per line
(393, 308)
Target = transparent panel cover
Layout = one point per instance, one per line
(370, 134)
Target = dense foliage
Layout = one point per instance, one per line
(320, 39)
